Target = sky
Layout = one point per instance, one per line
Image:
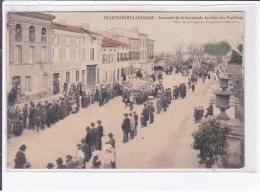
(166, 29)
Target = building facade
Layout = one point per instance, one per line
(29, 53)
(114, 60)
(76, 56)
(141, 48)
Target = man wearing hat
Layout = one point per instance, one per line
(69, 163)
(151, 112)
(100, 134)
(20, 159)
(145, 112)
(126, 128)
(136, 122)
(25, 115)
(95, 137)
(60, 165)
(31, 115)
(111, 141)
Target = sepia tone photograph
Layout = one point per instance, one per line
(125, 90)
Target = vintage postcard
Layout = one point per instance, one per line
(124, 90)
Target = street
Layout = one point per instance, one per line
(167, 143)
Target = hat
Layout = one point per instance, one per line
(125, 114)
(110, 135)
(26, 104)
(23, 147)
(88, 128)
(99, 121)
(92, 124)
(46, 101)
(134, 112)
(69, 157)
(50, 166)
(59, 161)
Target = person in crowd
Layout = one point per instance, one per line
(175, 93)
(201, 112)
(95, 136)
(145, 112)
(79, 158)
(31, 115)
(20, 159)
(100, 130)
(125, 128)
(209, 110)
(143, 121)
(70, 164)
(25, 115)
(86, 150)
(50, 166)
(96, 163)
(151, 112)
(193, 87)
(136, 123)
(112, 140)
(107, 158)
(60, 164)
(132, 125)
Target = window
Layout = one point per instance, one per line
(77, 76)
(84, 54)
(32, 34)
(68, 77)
(84, 40)
(43, 54)
(18, 32)
(104, 59)
(92, 53)
(45, 81)
(32, 54)
(18, 54)
(44, 35)
(118, 57)
(27, 83)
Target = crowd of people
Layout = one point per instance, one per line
(44, 114)
(96, 147)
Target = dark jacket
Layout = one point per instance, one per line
(20, 160)
(126, 125)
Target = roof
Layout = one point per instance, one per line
(159, 58)
(72, 29)
(108, 42)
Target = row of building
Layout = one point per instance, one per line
(42, 55)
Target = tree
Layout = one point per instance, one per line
(236, 57)
(218, 49)
(211, 140)
(179, 53)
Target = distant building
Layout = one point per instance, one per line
(115, 60)
(141, 49)
(29, 37)
(160, 62)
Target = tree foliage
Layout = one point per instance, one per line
(236, 58)
(211, 140)
(220, 48)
